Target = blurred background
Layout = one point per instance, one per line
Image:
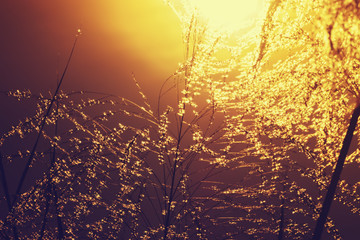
(118, 38)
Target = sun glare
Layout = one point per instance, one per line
(228, 15)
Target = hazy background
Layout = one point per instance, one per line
(118, 37)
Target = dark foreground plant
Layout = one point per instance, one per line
(105, 167)
(224, 158)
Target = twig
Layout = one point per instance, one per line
(32, 153)
(6, 190)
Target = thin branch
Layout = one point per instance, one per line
(42, 125)
(336, 175)
(4, 183)
(6, 190)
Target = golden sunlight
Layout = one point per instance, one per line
(228, 15)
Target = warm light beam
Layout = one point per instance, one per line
(228, 15)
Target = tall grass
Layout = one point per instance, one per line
(106, 167)
(217, 157)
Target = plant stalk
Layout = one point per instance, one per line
(336, 175)
(7, 195)
(42, 125)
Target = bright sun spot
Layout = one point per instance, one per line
(228, 15)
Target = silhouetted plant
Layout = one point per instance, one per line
(300, 97)
(219, 157)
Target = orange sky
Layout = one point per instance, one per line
(119, 37)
